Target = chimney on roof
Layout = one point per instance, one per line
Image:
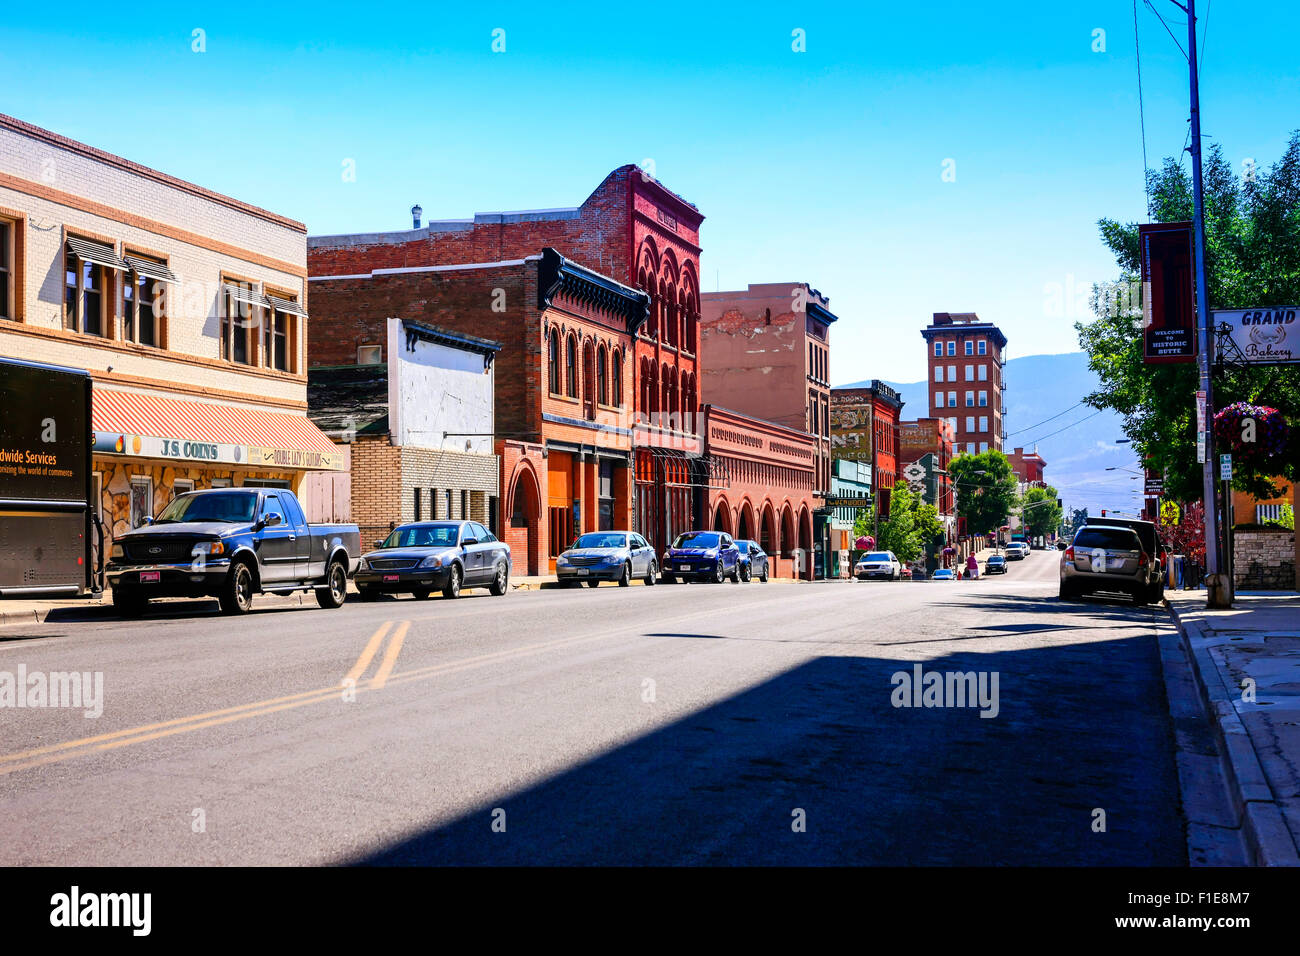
(416, 212)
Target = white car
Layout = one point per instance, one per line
(878, 564)
(1017, 550)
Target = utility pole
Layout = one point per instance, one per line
(1218, 590)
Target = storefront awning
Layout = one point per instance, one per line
(161, 427)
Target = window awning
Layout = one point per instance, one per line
(286, 305)
(161, 427)
(98, 253)
(246, 296)
(151, 270)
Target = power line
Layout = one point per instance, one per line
(1044, 421)
(1068, 427)
(1152, 8)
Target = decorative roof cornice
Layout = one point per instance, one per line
(558, 275)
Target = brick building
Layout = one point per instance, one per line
(929, 442)
(562, 423)
(1028, 467)
(420, 426)
(187, 308)
(631, 230)
(966, 362)
(767, 489)
(864, 423)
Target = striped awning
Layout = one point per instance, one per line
(286, 305)
(151, 270)
(98, 253)
(247, 296)
(159, 426)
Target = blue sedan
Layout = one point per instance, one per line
(702, 556)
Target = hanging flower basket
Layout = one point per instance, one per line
(1235, 425)
(865, 543)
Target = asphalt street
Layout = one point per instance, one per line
(688, 724)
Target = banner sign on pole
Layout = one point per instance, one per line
(1168, 292)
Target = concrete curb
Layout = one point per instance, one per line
(1262, 824)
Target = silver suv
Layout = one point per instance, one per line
(1105, 558)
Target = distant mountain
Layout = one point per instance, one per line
(1078, 445)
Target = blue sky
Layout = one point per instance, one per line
(823, 166)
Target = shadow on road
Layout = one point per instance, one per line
(1079, 727)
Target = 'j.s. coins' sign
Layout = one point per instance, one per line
(1262, 336)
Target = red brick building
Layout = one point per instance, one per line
(564, 376)
(965, 363)
(865, 424)
(1027, 466)
(931, 436)
(632, 230)
(768, 491)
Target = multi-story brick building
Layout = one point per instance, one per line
(931, 436)
(187, 307)
(767, 491)
(965, 364)
(420, 425)
(631, 230)
(865, 427)
(1029, 467)
(563, 379)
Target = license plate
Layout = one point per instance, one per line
(391, 578)
(1116, 563)
(582, 571)
(683, 567)
(150, 577)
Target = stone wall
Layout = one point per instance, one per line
(1264, 560)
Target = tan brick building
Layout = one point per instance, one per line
(187, 307)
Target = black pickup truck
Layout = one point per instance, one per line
(232, 543)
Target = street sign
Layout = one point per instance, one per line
(1262, 336)
(1200, 412)
(1225, 468)
(1200, 447)
(1155, 486)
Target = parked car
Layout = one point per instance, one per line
(1017, 551)
(1148, 534)
(944, 574)
(1103, 558)
(996, 564)
(426, 556)
(607, 556)
(702, 555)
(754, 562)
(905, 573)
(232, 543)
(878, 564)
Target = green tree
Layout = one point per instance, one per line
(986, 490)
(1042, 513)
(1252, 235)
(900, 532)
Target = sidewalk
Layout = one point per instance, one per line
(1246, 663)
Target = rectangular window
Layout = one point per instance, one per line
(970, 373)
(984, 423)
(143, 299)
(938, 399)
(241, 316)
(419, 514)
(952, 399)
(464, 505)
(984, 347)
(938, 373)
(370, 354)
(938, 348)
(984, 399)
(141, 500)
(984, 446)
(984, 373)
(182, 486)
(970, 447)
(970, 399)
(7, 269)
(280, 340)
(970, 423)
(952, 348)
(952, 373)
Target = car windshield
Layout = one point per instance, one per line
(423, 536)
(1113, 539)
(696, 539)
(604, 539)
(877, 556)
(234, 506)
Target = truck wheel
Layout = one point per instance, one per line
(128, 602)
(335, 591)
(452, 590)
(500, 585)
(237, 594)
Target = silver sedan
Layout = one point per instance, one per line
(607, 556)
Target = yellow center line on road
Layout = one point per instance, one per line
(390, 656)
(363, 661)
(11, 763)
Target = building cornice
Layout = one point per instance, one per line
(558, 275)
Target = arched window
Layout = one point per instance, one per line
(602, 376)
(571, 366)
(616, 378)
(553, 362)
